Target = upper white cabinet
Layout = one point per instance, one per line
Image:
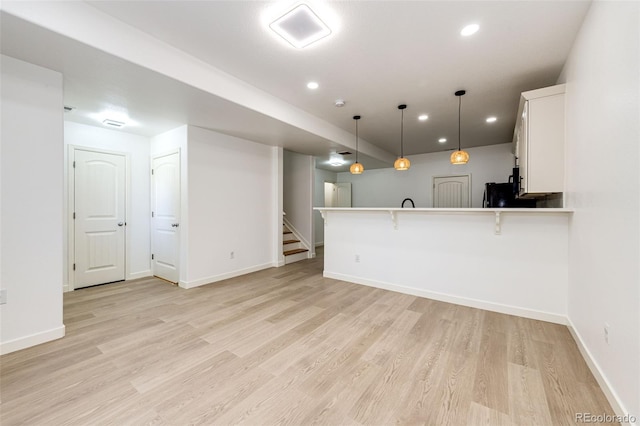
(539, 141)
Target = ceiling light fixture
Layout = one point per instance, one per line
(113, 123)
(442, 140)
(402, 163)
(336, 160)
(312, 85)
(356, 168)
(459, 156)
(423, 117)
(491, 119)
(470, 30)
(300, 27)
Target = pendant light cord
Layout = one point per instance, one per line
(356, 140)
(402, 133)
(459, 113)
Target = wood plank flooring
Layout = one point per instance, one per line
(287, 346)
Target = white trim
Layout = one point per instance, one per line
(32, 340)
(141, 274)
(464, 301)
(277, 188)
(597, 372)
(225, 276)
(71, 181)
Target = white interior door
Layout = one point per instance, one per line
(99, 212)
(451, 191)
(343, 194)
(329, 194)
(165, 221)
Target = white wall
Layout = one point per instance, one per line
(388, 187)
(456, 257)
(603, 186)
(138, 208)
(298, 185)
(230, 207)
(31, 225)
(320, 177)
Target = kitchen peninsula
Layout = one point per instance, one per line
(512, 261)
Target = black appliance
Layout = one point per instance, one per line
(502, 195)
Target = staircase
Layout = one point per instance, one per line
(292, 247)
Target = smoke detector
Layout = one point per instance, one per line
(339, 103)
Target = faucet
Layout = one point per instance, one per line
(408, 199)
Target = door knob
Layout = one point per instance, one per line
(120, 223)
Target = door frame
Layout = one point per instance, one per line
(183, 224)
(433, 187)
(71, 235)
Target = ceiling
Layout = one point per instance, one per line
(379, 55)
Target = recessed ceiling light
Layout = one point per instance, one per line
(300, 27)
(470, 29)
(312, 85)
(442, 140)
(423, 117)
(491, 119)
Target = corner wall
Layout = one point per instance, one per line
(31, 226)
(388, 187)
(603, 187)
(230, 207)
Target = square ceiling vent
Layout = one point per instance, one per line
(300, 27)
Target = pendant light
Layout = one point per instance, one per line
(459, 156)
(356, 168)
(402, 163)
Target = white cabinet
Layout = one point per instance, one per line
(539, 141)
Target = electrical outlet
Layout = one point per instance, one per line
(357, 258)
(232, 255)
(3, 296)
(606, 333)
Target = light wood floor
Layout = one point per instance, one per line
(287, 346)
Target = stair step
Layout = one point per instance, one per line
(294, 251)
(290, 241)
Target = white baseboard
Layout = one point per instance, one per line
(31, 340)
(606, 387)
(278, 264)
(472, 303)
(141, 274)
(225, 276)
